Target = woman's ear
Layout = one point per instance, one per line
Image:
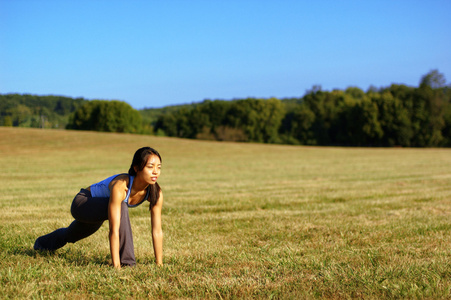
(135, 168)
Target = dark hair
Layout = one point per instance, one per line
(139, 161)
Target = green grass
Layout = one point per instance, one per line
(240, 220)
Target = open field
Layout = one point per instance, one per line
(240, 220)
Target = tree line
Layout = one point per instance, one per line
(393, 116)
(397, 115)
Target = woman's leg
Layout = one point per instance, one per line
(51, 241)
(126, 248)
(89, 214)
(88, 220)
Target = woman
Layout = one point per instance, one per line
(110, 200)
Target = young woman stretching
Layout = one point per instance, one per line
(109, 200)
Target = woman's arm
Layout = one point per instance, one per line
(157, 231)
(117, 195)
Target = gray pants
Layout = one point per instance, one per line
(89, 214)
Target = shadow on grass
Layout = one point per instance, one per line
(71, 256)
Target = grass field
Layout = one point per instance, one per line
(240, 220)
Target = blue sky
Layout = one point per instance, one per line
(159, 53)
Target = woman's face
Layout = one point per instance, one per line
(151, 170)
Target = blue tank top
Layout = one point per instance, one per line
(101, 189)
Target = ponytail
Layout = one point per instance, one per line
(154, 194)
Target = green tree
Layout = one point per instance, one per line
(297, 125)
(394, 120)
(446, 130)
(7, 121)
(428, 116)
(167, 123)
(109, 116)
(259, 119)
(22, 115)
(326, 107)
(357, 122)
(434, 79)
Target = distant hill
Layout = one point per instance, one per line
(50, 111)
(25, 110)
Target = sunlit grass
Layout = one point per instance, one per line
(240, 220)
